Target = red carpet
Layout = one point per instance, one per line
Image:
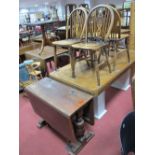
(45, 141)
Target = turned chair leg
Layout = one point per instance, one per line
(72, 61)
(85, 55)
(99, 56)
(55, 57)
(115, 54)
(107, 59)
(98, 77)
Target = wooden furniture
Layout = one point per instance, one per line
(47, 56)
(75, 30)
(34, 70)
(24, 49)
(132, 27)
(65, 112)
(45, 39)
(86, 79)
(99, 25)
(117, 36)
(61, 32)
(25, 78)
(68, 9)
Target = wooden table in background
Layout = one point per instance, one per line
(46, 56)
(45, 39)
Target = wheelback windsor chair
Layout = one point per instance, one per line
(116, 37)
(99, 25)
(75, 30)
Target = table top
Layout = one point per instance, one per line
(86, 78)
(29, 47)
(47, 53)
(63, 98)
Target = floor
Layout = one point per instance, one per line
(45, 141)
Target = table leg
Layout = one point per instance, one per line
(41, 123)
(55, 58)
(107, 59)
(99, 105)
(42, 47)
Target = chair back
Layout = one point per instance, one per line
(29, 68)
(100, 22)
(76, 23)
(68, 9)
(116, 29)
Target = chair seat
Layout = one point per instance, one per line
(89, 46)
(35, 73)
(123, 36)
(36, 65)
(67, 42)
(25, 83)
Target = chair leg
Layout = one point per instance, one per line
(55, 58)
(42, 47)
(99, 56)
(92, 58)
(98, 77)
(107, 60)
(72, 61)
(85, 55)
(115, 54)
(127, 45)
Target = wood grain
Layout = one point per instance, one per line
(86, 77)
(67, 102)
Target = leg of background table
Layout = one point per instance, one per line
(55, 58)
(99, 105)
(123, 82)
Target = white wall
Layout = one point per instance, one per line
(60, 4)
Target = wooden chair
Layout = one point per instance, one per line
(99, 25)
(34, 71)
(68, 9)
(75, 30)
(116, 37)
(25, 78)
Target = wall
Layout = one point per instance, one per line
(60, 4)
(118, 3)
